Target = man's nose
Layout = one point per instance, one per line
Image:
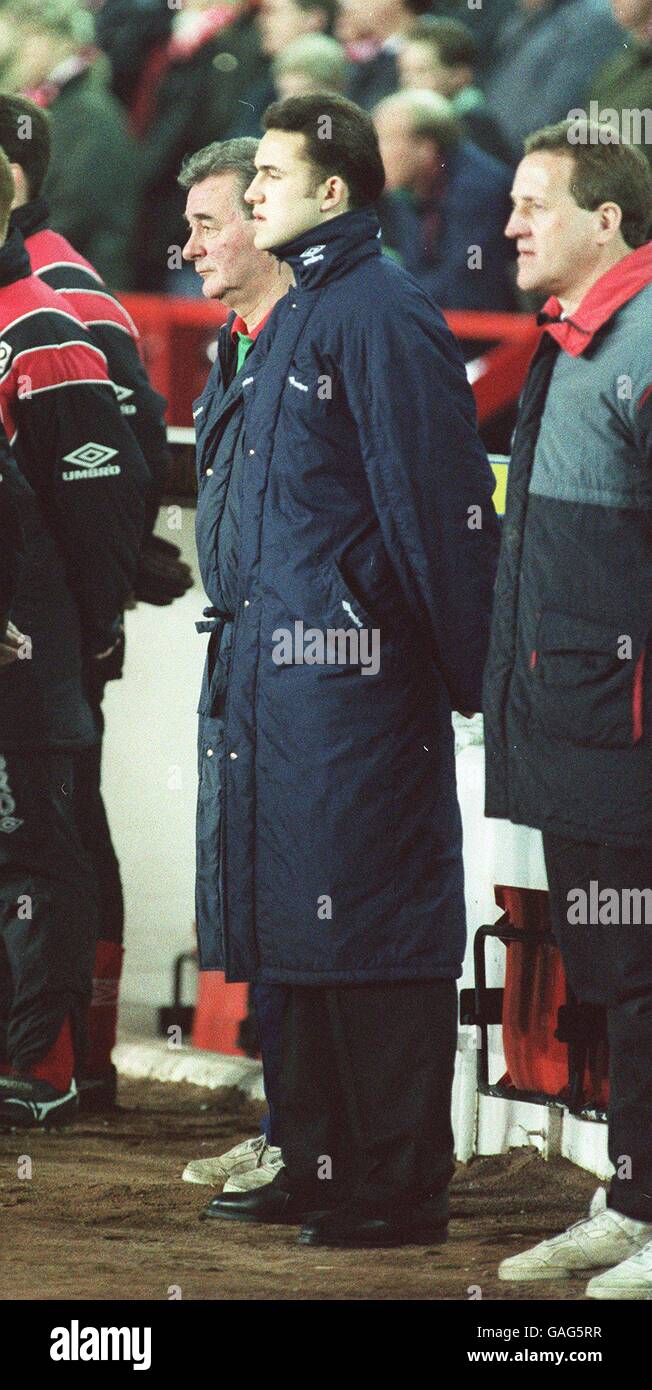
(516, 225)
(191, 250)
(253, 193)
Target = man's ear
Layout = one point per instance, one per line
(611, 218)
(20, 181)
(336, 196)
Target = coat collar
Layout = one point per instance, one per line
(324, 251)
(606, 296)
(14, 260)
(66, 74)
(31, 217)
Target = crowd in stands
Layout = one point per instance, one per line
(134, 86)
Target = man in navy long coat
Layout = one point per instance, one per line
(365, 576)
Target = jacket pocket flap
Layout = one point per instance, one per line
(561, 632)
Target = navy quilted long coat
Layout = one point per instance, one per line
(328, 826)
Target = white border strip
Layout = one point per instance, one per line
(180, 434)
(157, 1061)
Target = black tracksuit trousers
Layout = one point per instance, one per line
(367, 1073)
(93, 824)
(49, 909)
(612, 965)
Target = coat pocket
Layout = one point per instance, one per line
(350, 609)
(587, 682)
(364, 578)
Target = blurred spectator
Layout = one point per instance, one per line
(281, 23)
(484, 20)
(182, 92)
(625, 83)
(374, 31)
(91, 186)
(127, 31)
(545, 58)
(440, 55)
(315, 63)
(446, 206)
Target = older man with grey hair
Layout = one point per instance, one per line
(250, 282)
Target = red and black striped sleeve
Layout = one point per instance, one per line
(73, 446)
(115, 333)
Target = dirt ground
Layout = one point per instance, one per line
(105, 1216)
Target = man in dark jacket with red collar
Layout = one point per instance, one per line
(82, 516)
(365, 577)
(160, 577)
(568, 688)
(184, 73)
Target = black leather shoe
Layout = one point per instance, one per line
(349, 1228)
(269, 1204)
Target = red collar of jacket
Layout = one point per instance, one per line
(239, 326)
(60, 76)
(604, 298)
(182, 46)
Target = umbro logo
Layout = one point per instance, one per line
(92, 457)
(9, 823)
(312, 254)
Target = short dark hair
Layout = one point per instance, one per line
(222, 157)
(452, 41)
(607, 170)
(25, 138)
(349, 148)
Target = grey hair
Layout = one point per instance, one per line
(222, 157)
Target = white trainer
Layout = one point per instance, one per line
(604, 1237)
(269, 1164)
(243, 1158)
(631, 1279)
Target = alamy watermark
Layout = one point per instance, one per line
(632, 125)
(332, 646)
(607, 907)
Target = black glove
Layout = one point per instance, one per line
(161, 576)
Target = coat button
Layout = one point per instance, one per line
(252, 451)
(209, 752)
(246, 603)
(233, 755)
(208, 473)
